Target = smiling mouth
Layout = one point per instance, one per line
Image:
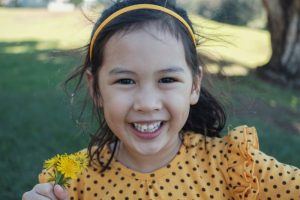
(147, 127)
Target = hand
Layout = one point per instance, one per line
(46, 191)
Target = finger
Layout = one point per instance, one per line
(46, 190)
(32, 195)
(60, 192)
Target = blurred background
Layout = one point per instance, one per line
(251, 49)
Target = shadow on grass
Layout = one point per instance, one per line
(35, 113)
(256, 97)
(272, 109)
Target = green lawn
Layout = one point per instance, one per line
(36, 122)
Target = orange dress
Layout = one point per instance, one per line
(231, 167)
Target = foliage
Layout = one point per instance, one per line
(76, 2)
(237, 12)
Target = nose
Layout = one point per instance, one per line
(147, 100)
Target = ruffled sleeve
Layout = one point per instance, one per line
(251, 174)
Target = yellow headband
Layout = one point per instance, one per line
(136, 7)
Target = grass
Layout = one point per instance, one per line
(36, 120)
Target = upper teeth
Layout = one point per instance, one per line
(147, 127)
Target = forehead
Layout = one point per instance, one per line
(147, 46)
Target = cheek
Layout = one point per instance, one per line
(115, 106)
(115, 114)
(178, 104)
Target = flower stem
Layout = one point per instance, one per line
(58, 178)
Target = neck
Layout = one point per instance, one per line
(147, 163)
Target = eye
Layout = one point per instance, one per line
(125, 81)
(167, 80)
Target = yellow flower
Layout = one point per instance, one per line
(69, 167)
(52, 162)
(81, 158)
(62, 168)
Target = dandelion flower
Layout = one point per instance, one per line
(68, 167)
(81, 158)
(52, 162)
(62, 168)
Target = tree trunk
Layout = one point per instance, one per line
(284, 27)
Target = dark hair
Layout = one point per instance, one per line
(207, 117)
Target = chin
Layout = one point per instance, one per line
(148, 149)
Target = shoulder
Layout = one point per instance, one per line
(239, 148)
(240, 136)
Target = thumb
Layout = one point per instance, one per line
(60, 192)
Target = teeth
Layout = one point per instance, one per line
(147, 127)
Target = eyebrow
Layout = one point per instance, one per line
(171, 69)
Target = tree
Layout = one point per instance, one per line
(284, 27)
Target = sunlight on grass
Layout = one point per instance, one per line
(16, 49)
(294, 103)
(68, 29)
(234, 70)
(248, 47)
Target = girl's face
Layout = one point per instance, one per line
(146, 90)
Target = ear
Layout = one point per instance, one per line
(90, 82)
(195, 93)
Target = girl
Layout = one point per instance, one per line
(159, 134)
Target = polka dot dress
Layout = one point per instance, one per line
(229, 168)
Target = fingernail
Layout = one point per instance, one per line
(59, 188)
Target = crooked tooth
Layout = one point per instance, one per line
(144, 127)
(151, 126)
